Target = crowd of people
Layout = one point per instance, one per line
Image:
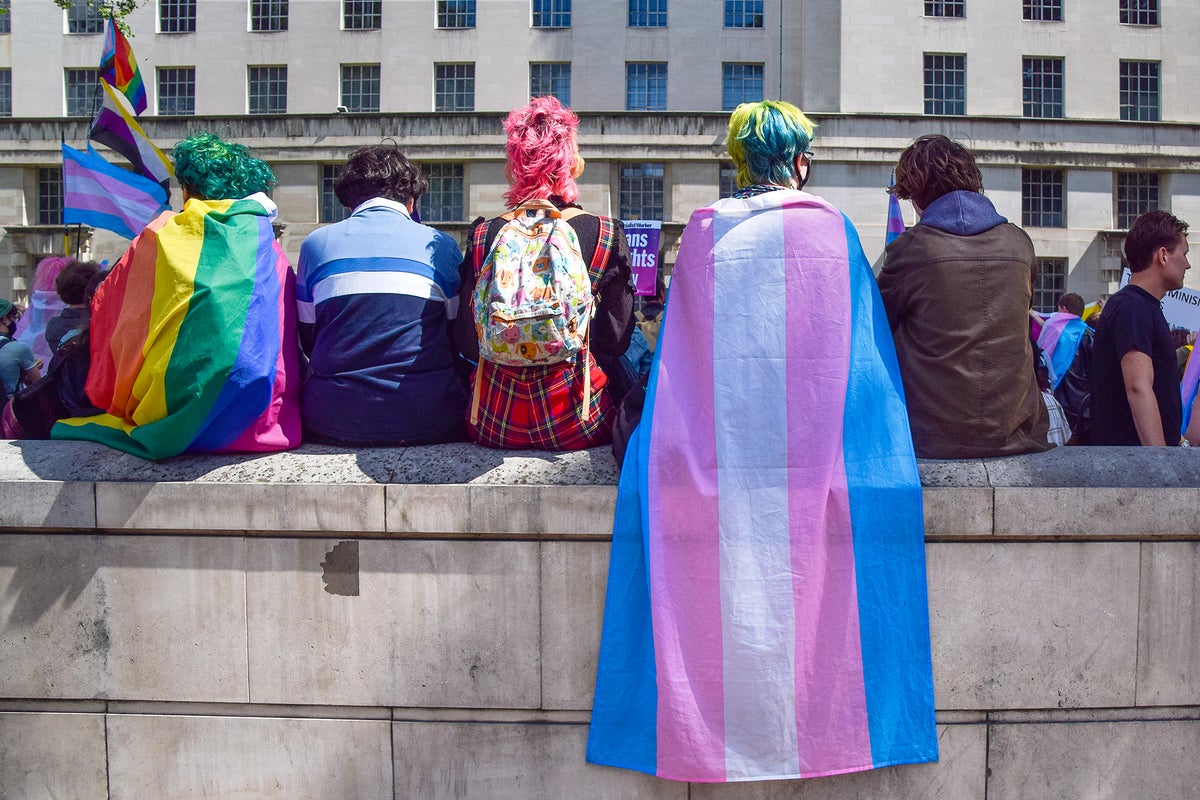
(201, 338)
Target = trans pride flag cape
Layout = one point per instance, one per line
(766, 613)
(1060, 337)
(194, 342)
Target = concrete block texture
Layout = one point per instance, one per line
(574, 579)
(52, 755)
(957, 511)
(47, 504)
(511, 761)
(393, 622)
(122, 617)
(234, 757)
(1169, 635)
(1136, 513)
(1036, 625)
(958, 774)
(516, 510)
(1094, 761)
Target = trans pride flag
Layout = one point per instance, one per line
(766, 613)
(1060, 337)
(1188, 388)
(102, 195)
(194, 342)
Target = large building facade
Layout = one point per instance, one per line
(1083, 113)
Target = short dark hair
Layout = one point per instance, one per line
(1150, 231)
(1072, 302)
(932, 166)
(378, 170)
(72, 282)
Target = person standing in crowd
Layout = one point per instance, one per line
(1067, 342)
(18, 365)
(71, 284)
(571, 404)
(1135, 375)
(957, 287)
(375, 294)
(193, 331)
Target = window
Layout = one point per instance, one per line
(945, 8)
(456, 13)
(1137, 193)
(443, 202)
(454, 87)
(647, 13)
(267, 90)
(1042, 88)
(83, 92)
(176, 16)
(551, 13)
(1043, 198)
(50, 196)
(945, 83)
(82, 17)
(552, 79)
(740, 83)
(1050, 283)
(362, 15)
(360, 87)
(727, 180)
(332, 209)
(1139, 12)
(5, 16)
(641, 191)
(645, 86)
(5, 92)
(1042, 10)
(268, 15)
(176, 91)
(1139, 90)
(743, 13)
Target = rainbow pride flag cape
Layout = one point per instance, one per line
(1060, 337)
(766, 613)
(194, 344)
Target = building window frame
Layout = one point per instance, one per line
(945, 84)
(1138, 12)
(266, 88)
(5, 16)
(268, 16)
(956, 9)
(551, 13)
(743, 13)
(1042, 80)
(1134, 194)
(647, 13)
(443, 201)
(741, 82)
(83, 18)
(362, 15)
(1140, 90)
(49, 196)
(551, 78)
(454, 87)
(1042, 10)
(177, 87)
(82, 91)
(645, 85)
(1043, 198)
(360, 88)
(726, 179)
(176, 16)
(641, 190)
(6, 92)
(455, 14)
(1049, 284)
(331, 209)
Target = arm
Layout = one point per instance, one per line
(1138, 372)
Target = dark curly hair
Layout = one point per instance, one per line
(210, 168)
(932, 166)
(1150, 231)
(378, 170)
(72, 282)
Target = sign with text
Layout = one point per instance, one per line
(1181, 307)
(643, 237)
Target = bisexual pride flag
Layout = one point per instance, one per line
(766, 613)
(193, 338)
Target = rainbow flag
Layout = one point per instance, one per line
(766, 613)
(194, 344)
(102, 195)
(1060, 337)
(119, 67)
(117, 127)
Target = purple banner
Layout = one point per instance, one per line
(643, 237)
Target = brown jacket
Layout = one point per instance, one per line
(959, 311)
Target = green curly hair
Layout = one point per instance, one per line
(208, 167)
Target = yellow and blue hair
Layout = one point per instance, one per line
(765, 138)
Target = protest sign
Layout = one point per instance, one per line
(643, 237)
(1181, 307)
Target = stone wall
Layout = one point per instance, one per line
(423, 623)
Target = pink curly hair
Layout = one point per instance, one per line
(47, 272)
(542, 152)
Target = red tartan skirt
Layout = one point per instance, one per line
(539, 408)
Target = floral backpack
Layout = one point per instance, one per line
(533, 298)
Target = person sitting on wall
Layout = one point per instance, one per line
(570, 404)
(71, 285)
(1135, 376)
(193, 332)
(1067, 342)
(957, 287)
(375, 294)
(18, 364)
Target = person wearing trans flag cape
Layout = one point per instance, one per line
(766, 614)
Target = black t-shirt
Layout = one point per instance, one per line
(1132, 320)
